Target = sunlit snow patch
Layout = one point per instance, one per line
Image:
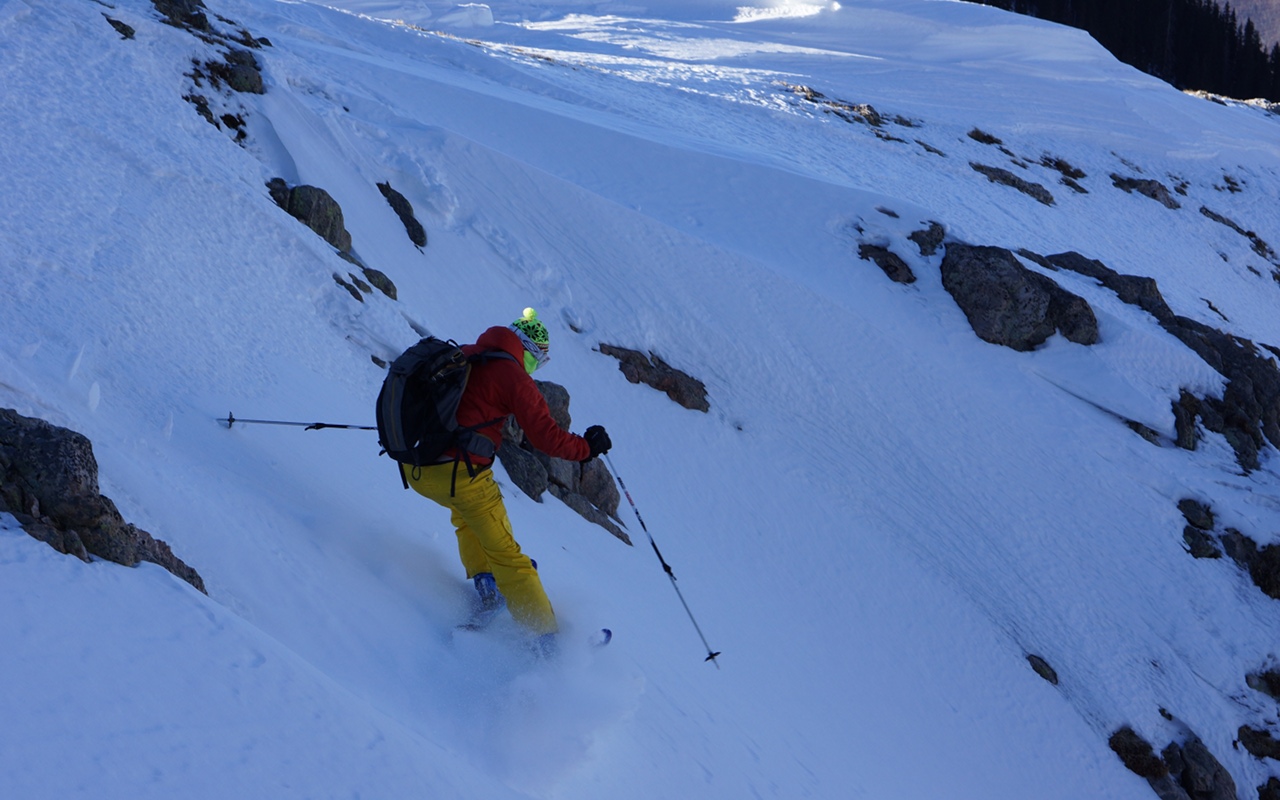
(783, 10)
(468, 15)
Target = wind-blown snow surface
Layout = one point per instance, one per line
(880, 517)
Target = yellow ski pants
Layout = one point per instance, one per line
(485, 542)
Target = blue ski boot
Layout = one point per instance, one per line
(489, 601)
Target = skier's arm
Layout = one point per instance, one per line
(534, 417)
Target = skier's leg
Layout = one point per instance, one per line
(433, 482)
(480, 502)
(484, 530)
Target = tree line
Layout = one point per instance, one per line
(1192, 44)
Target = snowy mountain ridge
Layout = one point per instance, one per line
(892, 528)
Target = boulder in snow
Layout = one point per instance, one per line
(49, 482)
(1004, 176)
(315, 208)
(1146, 187)
(653, 371)
(888, 261)
(1010, 305)
(404, 210)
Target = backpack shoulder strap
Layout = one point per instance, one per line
(489, 355)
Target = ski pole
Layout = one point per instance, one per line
(711, 655)
(310, 426)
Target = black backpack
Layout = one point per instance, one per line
(418, 404)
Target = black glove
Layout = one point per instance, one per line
(597, 440)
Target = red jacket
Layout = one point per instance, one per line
(499, 387)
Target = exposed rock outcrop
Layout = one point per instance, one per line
(1007, 178)
(586, 488)
(1147, 188)
(183, 13)
(1248, 413)
(1259, 245)
(1186, 771)
(930, 238)
(315, 208)
(888, 261)
(1042, 668)
(404, 210)
(1259, 743)
(126, 31)
(1196, 513)
(653, 371)
(240, 70)
(49, 482)
(1010, 305)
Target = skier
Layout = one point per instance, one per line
(496, 388)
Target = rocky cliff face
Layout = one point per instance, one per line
(49, 482)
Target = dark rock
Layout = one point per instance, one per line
(352, 290)
(929, 239)
(1037, 259)
(557, 398)
(1259, 246)
(1132, 289)
(1167, 788)
(1267, 682)
(523, 466)
(849, 112)
(279, 191)
(359, 284)
(1004, 176)
(586, 488)
(49, 482)
(1136, 753)
(240, 70)
(125, 31)
(1196, 513)
(1202, 775)
(887, 260)
(202, 107)
(1239, 548)
(1248, 413)
(404, 210)
(315, 208)
(1265, 570)
(380, 281)
(184, 13)
(1062, 166)
(1270, 790)
(653, 371)
(1185, 409)
(1043, 669)
(1199, 543)
(1148, 188)
(1145, 431)
(979, 135)
(1010, 305)
(1259, 743)
(588, 511)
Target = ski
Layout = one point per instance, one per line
(479, 620)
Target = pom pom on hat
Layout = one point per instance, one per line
(531, 326)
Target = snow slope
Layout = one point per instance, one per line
(878, 520)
